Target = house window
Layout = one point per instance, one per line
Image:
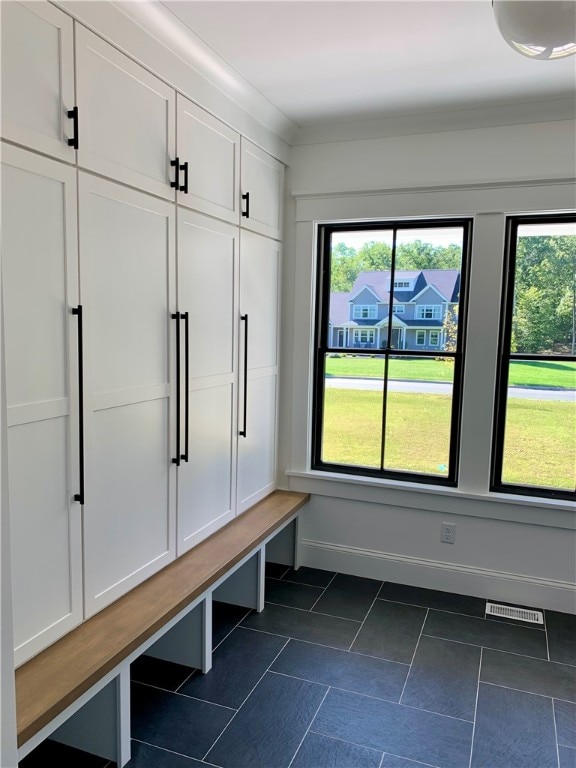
(534, 445)
(398, 309)
(420, 338)
(364, 337)
(429, 312)
(434, 338)
(374, 413)
(364, 311)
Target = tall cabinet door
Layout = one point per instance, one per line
(37, 44)
(126, 117)
(262, 183)
(207, 290)
(40, 287)
(127, 269)
(257, 418)
(210, 155)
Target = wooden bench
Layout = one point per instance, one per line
(77, 690)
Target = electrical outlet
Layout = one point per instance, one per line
(448, 533)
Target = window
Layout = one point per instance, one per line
(429, 312)
(375, 412)
(534, 449)
(398, 309)
(402, 284)
(364, 311)
(364, 337)
(434, 338)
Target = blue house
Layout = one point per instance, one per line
(421, 300)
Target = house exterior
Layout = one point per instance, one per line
(421, 300)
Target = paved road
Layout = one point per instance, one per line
(443, 388)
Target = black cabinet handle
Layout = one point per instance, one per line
(184, 187)
(242, 432)
(78, 312)
(73, 115)
(176, 183)
(176, 316)
(246, 212)
(186, 317)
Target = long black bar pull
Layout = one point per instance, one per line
(186, 317)
(176, 183)
(78, 312)
(176, 316)
(184, 187)
(242, 432)
(246, 212)
(73, 115)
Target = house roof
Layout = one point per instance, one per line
(446, 282)
(339, 307)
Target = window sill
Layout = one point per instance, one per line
(556, 513)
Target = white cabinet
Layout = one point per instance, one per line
(259, 313)
(209, 155)
(127, 260)
(40, 287)
(126, 118)
(37, 77)
(208, 292)
(262, 185)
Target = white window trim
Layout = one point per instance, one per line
(418, 343)
(402, 285)
(358, 331)
(372, 311)
(398, 309)
(432, 343)
(436, 311)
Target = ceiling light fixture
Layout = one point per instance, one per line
(539, 29)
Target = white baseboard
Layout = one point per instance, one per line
(433, 574)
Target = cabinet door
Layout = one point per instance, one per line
(263, 183)
(212, 153)
(259, 300)
(40, 286)
(37, 77)
(126, 117)
(127, 288)
(207, 290)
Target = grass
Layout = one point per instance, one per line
(522, 374)
(540, 438)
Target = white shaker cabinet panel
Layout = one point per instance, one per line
(208, 292)
(209, 155)
(258, 354)
(262, 187)
(37, 77)
(40, 287)
(126, 118)
(127, 269)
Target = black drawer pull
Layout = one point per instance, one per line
(78, 312)
(246, 211)
(73, 115)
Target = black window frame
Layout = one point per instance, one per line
(505, 356)
(322, 348)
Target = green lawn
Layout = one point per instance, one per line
(522, 374)
(540, 437)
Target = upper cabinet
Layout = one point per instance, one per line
(208, 163)
(127, 118)
(37, 44)
(262, 186)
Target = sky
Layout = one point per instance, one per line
(435, 236)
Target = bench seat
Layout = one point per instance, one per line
(54, 679)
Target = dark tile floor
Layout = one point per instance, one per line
(344, 672)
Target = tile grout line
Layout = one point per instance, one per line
(309, 726)
(323, 592)
(476, 708)
(546, 633)
(382, 760)
(316, 613)
(493, 620)
(171, 751)
(363, 621)
(184, 695)
(414, 655)
(530, 693)
(245, 700)
(556, 731)
(280, 578)
(490, 648)
(373, 749)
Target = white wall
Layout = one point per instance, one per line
(509, 548)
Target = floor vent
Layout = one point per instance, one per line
(511, 612)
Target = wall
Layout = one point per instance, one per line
(509, 548)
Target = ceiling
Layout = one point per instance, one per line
(326, 61)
